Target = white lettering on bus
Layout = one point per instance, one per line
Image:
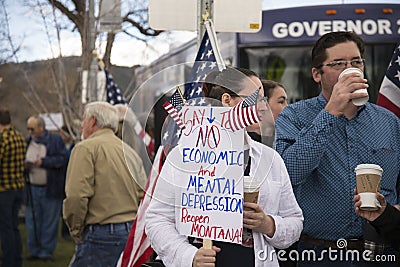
(297, 29)
(398, 24)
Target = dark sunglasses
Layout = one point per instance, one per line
(30, 129)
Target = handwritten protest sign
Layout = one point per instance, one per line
(209, 196)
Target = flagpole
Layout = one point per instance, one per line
(214, 44)
(180, 93)
(200, 30)
(201, 19)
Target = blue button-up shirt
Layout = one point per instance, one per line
(321, 152)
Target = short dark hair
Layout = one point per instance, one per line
(318, 55)
(269, 87)
(229, 81)
(5, 117)
(208, 83)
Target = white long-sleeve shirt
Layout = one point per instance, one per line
(276, 198)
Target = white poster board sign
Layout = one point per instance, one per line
(210, 193)
(53, 121)
(228, 15)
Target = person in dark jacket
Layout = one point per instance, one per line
(46, 160)
(386, 220)
(12, 154)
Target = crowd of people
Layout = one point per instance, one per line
(307, 201)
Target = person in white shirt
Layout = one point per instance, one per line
(276, 221)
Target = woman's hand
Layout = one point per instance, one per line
(369, 215)
(255, 219)
(205, 257)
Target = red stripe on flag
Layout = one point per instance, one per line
(232, 119)
(137, 249)
(383, 101)
(174, 114)
(247, 116)
(239, 116)
(254, 115)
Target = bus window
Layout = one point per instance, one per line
(290, 66)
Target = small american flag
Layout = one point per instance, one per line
(389, 93)
(245, 112)
(114, 95)
(173, 106)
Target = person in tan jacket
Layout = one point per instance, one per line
(103, 189)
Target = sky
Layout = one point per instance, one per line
(27, 28)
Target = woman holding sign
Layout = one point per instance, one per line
(276, 219)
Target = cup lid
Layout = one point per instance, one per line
(351, 70)
(368, 166)
(251, 183)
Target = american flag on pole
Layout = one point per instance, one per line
(245, 112)
(114, 97)
(113, 93)
(173, 106)
(138, 249)
(205, 62)
(389, 93)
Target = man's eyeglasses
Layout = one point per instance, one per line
(30, 129)
(341, 64)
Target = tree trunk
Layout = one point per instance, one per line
(107, 54)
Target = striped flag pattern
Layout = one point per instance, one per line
(173, 106)
(146, 138)
(389, 93)
(138, 249)
(245, 112)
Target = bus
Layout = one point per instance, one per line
(281, 50)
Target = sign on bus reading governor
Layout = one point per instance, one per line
(209, 195)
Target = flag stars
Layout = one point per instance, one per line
(198, 92)
(203, 66)
(398, 60)
(114, 94)
(397, 75)
(209, 53)
(165, 136)
(178, 132)
(201, 102)
(213, 65)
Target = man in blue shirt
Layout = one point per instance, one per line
(324, 138)
(46, 160)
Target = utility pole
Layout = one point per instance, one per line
(92, 72)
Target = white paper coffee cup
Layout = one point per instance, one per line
(356, 101)
(251, 189)
(368, 179)
(369, 201)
